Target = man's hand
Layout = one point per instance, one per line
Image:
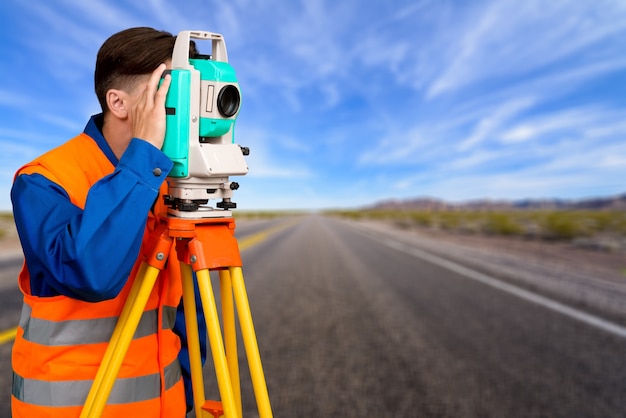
(148, 121)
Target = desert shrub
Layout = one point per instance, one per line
(8, 216)
(601, 221)
(423, 219)
(620, 225)
(502, 224)
(449, 221)
(541, 224)
(607, 221)
(563, 226)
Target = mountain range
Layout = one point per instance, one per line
(433, 204)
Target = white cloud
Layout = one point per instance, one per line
(495, 120)
(576, 119)
(104, 14)
(63, 122)
(510, 38)
(400, 148)
(275, 171)
(273, 156)
(14, 99)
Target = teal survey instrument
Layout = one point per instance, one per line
(202, 105)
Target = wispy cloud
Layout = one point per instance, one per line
(411, 147)
(510, 38)
(494, 121)
(268, 158)
(575, 121)
(14, 99)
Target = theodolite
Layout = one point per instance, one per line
(202, 105)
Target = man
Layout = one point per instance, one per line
(83, 212)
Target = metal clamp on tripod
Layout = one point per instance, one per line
(202, 105)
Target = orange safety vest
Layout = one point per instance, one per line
(61, 341)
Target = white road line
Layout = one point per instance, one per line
(573, 313)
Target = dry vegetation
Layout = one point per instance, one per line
(6, 223)
(604, 230)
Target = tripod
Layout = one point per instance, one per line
(202, 245)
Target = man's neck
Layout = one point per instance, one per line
(117, 135)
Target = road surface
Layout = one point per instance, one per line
(353, 324)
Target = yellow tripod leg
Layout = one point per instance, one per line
(217, 343)
(118, 346)
(250, 343)
(193, 341)
(230, 335)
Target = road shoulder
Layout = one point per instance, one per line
(590, 280)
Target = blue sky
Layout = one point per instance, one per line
(349, 102)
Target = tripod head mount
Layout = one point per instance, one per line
(202, 105)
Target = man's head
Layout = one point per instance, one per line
(125, 72)
(128, 57)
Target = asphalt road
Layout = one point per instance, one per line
(350, 326)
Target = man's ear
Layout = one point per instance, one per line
(117, 101)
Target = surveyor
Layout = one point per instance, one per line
(83, 212)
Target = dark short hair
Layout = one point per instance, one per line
(130, 53)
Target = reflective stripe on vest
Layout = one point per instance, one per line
(74, 392)
(87, 331)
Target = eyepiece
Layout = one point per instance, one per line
(228, 101)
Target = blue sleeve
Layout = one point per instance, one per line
(88, 254)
